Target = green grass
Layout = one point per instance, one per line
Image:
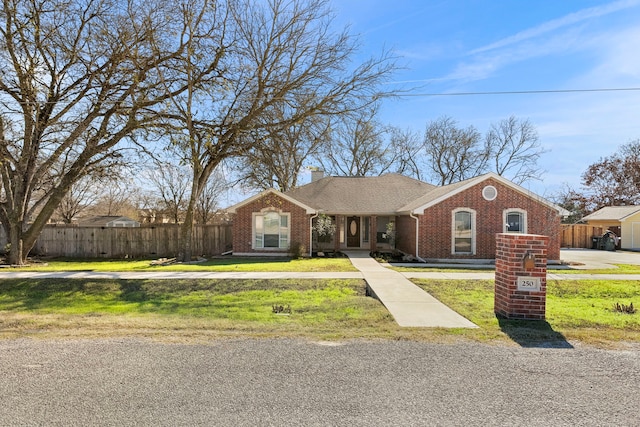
(216, 264)
(321, 309)
(442, 269)
(576, 310)
(621, 269)
(276, 264)
(233, 299)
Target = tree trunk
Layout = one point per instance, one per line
(16, 255)
(186, 236)
(186, 231)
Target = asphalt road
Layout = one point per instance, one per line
(287, 382)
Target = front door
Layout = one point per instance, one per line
(353, 232)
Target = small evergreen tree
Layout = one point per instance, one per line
(324, 228)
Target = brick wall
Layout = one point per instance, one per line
(243, 226)
(509, 301)
(406, 234)
(435, 225)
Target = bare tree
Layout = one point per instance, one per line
(117, 194)
(276, 158)
(146, 206)
(82, 195)
(209, 201)
(358, 146)
(408, 154)
(277, 64)
(453, 153)
(170, 184)
(514, 149)
(78, 78)
(578, 204)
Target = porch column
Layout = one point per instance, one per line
(373, 233)
(337, 244)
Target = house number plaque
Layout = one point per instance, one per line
(529, 284)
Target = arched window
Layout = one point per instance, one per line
(270, 230)
(515, 221)
(463, 240)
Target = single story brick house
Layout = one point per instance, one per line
(457, 221)
(624, 221)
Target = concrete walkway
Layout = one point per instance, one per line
(409, 305)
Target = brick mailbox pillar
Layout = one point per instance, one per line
(521, 276)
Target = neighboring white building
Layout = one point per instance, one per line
(622, 220)
(108, 221)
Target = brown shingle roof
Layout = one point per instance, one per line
(612, 213)
(432, 195)
(363, 195)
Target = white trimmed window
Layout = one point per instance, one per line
(463, 239)
(515, 221)
(271, 230)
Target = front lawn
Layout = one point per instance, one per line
(225, 264)
(188, 310)
(176, 309)
(617, 269)
(576, 310)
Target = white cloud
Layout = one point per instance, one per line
(619, 61)
(428, 51)
(553, 25)
(486, 65)
(614, 47)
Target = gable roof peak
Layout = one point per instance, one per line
(234, 208)
(442, 193)
(380, 195)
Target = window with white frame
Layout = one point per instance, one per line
(515, 221)
(366, 226)
(271, 230)
(463, 231)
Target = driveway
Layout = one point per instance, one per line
(596, 259)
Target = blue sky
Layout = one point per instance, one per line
(496, 45)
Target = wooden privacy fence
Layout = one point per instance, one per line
(147, 241)
(156, 241)
(579, 235)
